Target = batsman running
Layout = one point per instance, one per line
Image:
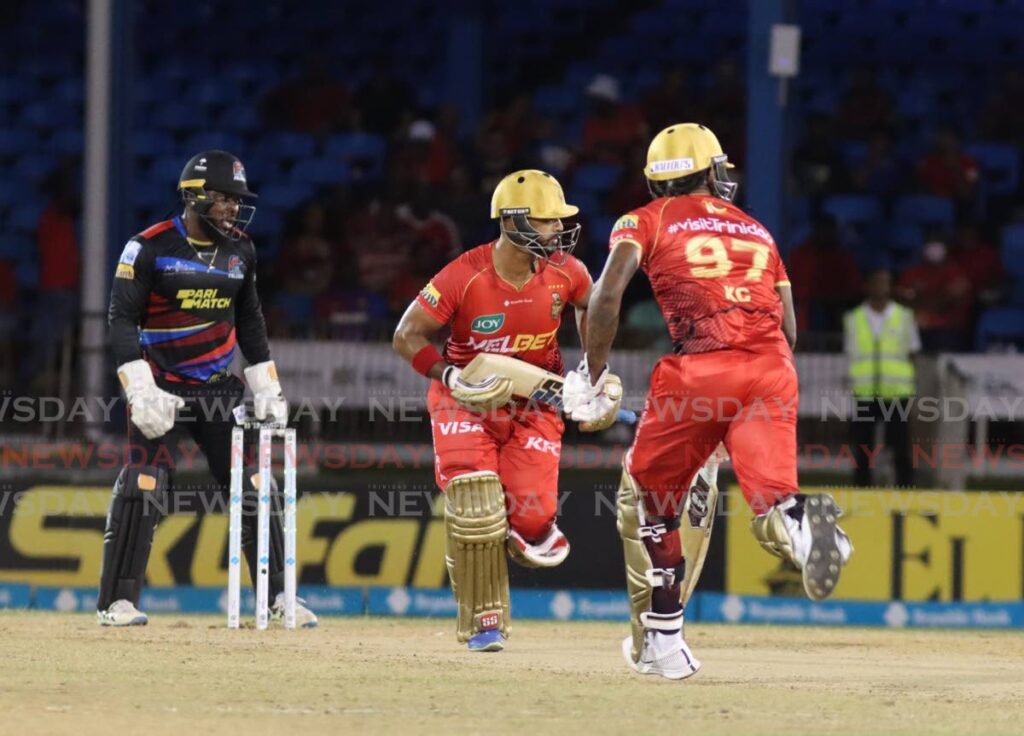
(496, 456)
(726, 298)
(184, 293)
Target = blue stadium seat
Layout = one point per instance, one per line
(167, 168)
(267, 224)
(33, 167)
(321, 171)
(1011, 248)
(557, 99)
(1000, 327)
(213, 93)
(240, 119)
(1000, 163)
(283, 196)
(178, 116)
(24, 218)
(365, 151)
(283, 146)
(596, 177)
(69, 141)
(15, 141)
(11, 192)
(924, 209)
(46, 115)
(16, 89)
(211, 139)
(853, 208)
(150, 143)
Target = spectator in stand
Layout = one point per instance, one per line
(725, 105)
(941, 295)
(437, 235)
(383, 100)
(427, 157)
(817, 162)
(879, 172)
(314, 102)
(612, 127)
(307, 256)
(1000, 120)
(980, 260)
(826, 280)
(56, 305)
(672, 101)
(382, 245)
(865, 108)
(947, 170)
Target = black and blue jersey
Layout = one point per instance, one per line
(184, 305)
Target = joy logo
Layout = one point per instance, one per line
(488, 324)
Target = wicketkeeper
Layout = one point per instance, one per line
(184, 294)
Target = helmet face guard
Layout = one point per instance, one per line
(723, 187)
(525, 237)
(201, 200)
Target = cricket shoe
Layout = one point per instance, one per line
(122, 613)
(488, 640)
(304, 618)
(804, 529)
(664, 653)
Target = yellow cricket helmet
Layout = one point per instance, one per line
(684, 149)
(531, 193)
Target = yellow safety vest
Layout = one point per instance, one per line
(880, 367)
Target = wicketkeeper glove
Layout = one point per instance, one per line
(268, 398)
(151, 408)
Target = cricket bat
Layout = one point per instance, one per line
(528, 381)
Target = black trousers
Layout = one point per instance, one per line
(897, 438)
(207, 418)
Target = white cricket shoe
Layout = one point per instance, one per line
(664, 654)
(820, 548)
(304, 618)
(121, 613)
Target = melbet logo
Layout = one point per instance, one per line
(202, 299)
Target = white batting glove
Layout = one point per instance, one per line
(152, 408)
(594, 405)
(268, 398)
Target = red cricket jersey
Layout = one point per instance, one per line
(713, 269)
(489, 315)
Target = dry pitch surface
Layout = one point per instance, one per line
(189, 676)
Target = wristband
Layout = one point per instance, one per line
(426, 359)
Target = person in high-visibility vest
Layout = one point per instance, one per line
(881, 339)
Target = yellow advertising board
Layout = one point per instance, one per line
(910, 545)
(54, 536)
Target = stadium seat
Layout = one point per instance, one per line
(924, 210)
(178, 116)
(283, 196)
(15, 141)
(46, 115)
(211, 139)
(283, 146)
(24, 218)
(1000, 327)
(596, 177)
(33, 167)
(853, 208)
(69, 141)
(364, 151)
(240, 119)
(150, 143)
(1000, 163)
(1011, 248)
(321, 171)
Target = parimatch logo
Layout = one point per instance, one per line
(202, 299)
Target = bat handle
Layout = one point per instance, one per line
(627, 416)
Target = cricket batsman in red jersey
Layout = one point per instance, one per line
(497, 458)
(726, 298)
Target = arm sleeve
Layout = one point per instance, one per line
(442, 294)
(129, 293)
(633, 228)
(250, 327)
